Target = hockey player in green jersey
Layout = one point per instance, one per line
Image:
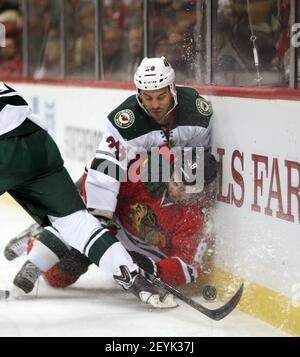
(159, 114)
(32, 171)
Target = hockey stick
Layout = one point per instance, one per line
(216, 314)
(4, 294)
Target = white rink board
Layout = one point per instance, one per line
(258, 246)
(261, 248)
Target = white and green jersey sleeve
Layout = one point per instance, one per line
(14, 110)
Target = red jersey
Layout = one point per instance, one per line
(176, 235)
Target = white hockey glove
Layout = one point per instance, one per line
(144, 289)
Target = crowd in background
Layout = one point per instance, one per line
(177, 30)
(11, 54)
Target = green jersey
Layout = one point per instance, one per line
(130, 131)
(31, 167)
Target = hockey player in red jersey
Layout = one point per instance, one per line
(167, 231)
(168, 224)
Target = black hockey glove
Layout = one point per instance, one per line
(106, 222)
(109, 224)
(145, 263)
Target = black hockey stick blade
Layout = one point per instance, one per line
(216, 314)
(4, 294)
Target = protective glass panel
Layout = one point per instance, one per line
(43, 39)
(123, 38)
(178, 32)
(80, 39)
(251, 43)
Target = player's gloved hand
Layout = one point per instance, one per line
(145, 263)
(106, 222)
(110, 224)
(144, 289)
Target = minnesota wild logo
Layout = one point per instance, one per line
(203, 106)
(124, 119)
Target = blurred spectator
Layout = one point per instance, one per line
(87, 17)
(50, 67)
(237, 54)
(10, 55)
(10, 59)
(172, 34)
(227, 63)
(80, 39)
(185, 18)
(260, 14)
(161, 17)
(112, 54)
(135, 50)
(264, 44)
(177, 31)
(135, 12)
(43, 25)
(12, 21)
(181, 55)
(84, 56)
(161, 46)
(115, 13)
(185, 22)
(123, 38)
(229, 11)
(9, 5)
(281, 61)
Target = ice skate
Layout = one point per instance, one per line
(27, 277)
(17, 246)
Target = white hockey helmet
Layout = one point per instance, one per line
(154, 73)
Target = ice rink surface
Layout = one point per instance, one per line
(95, 306)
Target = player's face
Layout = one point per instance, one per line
(177, 192)
(158, 102)
(178, 195)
